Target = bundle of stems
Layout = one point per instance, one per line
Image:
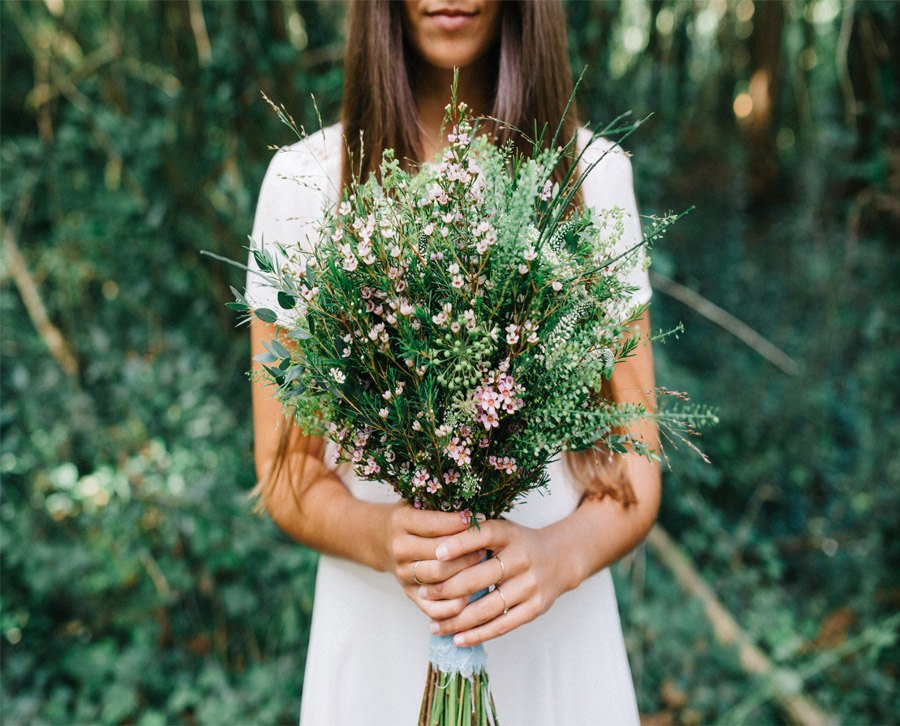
(453, 699)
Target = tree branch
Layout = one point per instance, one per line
(738, 328)
(798, 708)
(34, 305)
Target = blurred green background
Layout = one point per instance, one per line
(137, 587)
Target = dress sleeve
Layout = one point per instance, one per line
(610, 184)
(298, 185)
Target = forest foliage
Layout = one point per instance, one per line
(138, 587)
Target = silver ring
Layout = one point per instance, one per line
(416, 579)
(502, 569)
(503, 597)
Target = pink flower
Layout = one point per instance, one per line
(547, 191)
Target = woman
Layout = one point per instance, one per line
(368, 647)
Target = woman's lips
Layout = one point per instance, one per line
(451, 20)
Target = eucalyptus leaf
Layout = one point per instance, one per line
(266, 315)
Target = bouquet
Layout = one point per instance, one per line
(450, 331)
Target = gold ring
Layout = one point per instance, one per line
(502, 569)
(416, 579)
(503, 597)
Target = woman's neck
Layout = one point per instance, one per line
(432, 92)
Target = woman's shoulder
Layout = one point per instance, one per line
(605, 152)
(313, 162)
(302, 179)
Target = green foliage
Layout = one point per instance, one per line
(134, 573)
(137, 586)
(397, 311)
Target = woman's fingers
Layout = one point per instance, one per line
(436, 609)
(426, 523)
(491, 535)
(474, 578)
(430, 571)
(518, 615)
(485, 618)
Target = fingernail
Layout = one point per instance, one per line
(434, 627)
(458, 640)
(423, 592)
(481, 517)
(441, 552)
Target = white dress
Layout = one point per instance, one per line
(368, 649)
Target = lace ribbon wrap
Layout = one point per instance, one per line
(451, 659)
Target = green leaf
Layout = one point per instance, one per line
(266, 315)
(286, 301)
(279, 350)
(264, 263)
(239, 306)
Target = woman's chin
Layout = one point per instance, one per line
(449, 55)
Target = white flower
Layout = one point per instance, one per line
(338, 375)
(557, 286)
(394, 251)
(530, 254)
(523, 269)
(383, 413)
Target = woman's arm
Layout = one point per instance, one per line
(313, 506)
(539, 565)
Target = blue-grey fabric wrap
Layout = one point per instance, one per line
(451, 659)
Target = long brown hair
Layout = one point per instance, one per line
(533, 88)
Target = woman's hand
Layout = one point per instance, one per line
(531, 577)
(410, 540)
